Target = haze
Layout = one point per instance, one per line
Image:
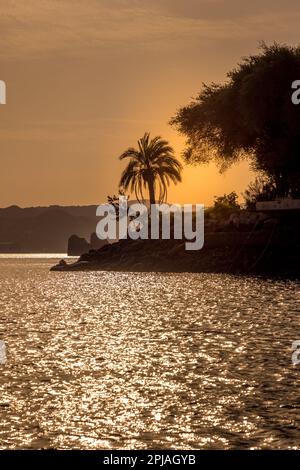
(86, 79)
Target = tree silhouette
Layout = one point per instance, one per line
(151, 166)
(251, 115)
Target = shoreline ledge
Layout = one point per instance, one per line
(264, 252)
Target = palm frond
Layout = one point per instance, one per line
(152, 164)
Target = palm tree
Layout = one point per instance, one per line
(152, 166)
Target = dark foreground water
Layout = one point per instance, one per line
(132, 360)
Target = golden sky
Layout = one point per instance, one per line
(86, 78)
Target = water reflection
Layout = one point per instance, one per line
(125, 360)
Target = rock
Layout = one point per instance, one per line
(77, 245)
(78, 265)
(96, 243)
(177, 250)
(233, 251)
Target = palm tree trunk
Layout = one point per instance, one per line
(151, 200)
(151, 191)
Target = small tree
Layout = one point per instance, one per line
(224, 205)
(262, 188)
(114, 200)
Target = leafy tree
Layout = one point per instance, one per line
(261, 188)
(114, 200)
(151, 166)
(228, 200)
(250, 115)
(226, 204)
(223, 207)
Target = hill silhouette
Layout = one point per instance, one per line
(44, 229)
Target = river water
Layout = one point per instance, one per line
(138, 361)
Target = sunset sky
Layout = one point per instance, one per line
(85, 79)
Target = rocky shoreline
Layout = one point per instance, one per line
(271, 251)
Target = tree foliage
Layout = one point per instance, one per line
(152, 166)
(251, 115)
(223, 206)
(261, 189)
(114, 200)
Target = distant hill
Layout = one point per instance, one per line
(44, 229)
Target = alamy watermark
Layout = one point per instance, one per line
(2, 352)
(2, 92)
(296, 353)
(138, 220)
(296, 93)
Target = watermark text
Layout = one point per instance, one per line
(138, 221)
(2, 92)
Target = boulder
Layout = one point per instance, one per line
(77, 245)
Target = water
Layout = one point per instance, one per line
(124, 360)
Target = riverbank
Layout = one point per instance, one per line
(271, 251)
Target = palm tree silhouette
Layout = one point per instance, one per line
(152, 166)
